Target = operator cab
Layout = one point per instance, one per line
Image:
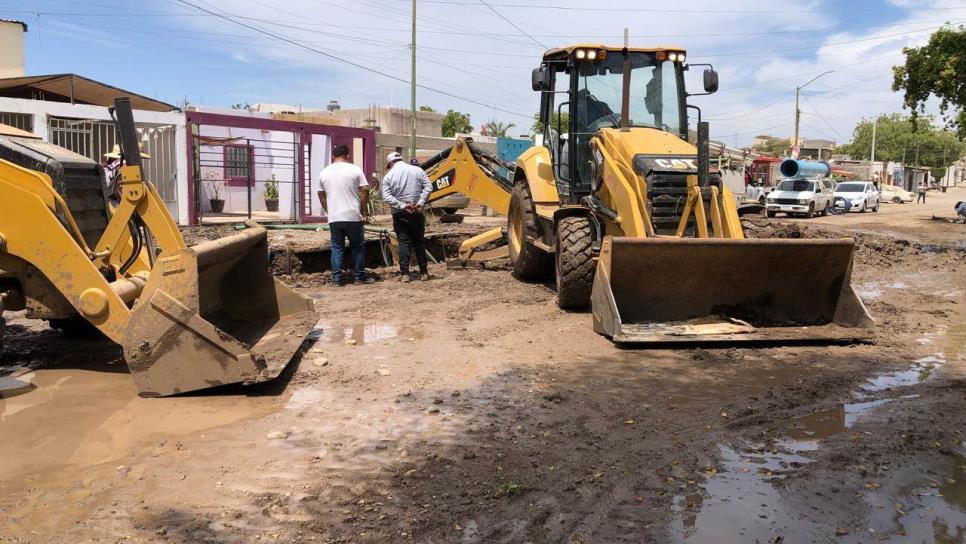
(582, 92)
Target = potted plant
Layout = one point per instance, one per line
(215, 186)
(271, 194)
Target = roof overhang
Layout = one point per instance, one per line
(76, 89)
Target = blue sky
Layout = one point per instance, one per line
(762, 48)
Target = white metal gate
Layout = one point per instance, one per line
(93, 139)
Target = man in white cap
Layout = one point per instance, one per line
(406, 188)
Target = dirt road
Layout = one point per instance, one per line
(471, 409)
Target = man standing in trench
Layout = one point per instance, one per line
(406, 188)
(344, 194)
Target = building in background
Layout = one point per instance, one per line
(816, 149)
(11, 48)
(392, 127)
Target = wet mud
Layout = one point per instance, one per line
(470, 409)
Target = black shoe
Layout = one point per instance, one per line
(338, 283)
(366, 279)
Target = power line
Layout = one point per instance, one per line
(666, 10)
(349, 62)
(511, 23)
(819, 115)
(770, 104)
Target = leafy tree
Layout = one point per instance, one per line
(937, 68)
(776, 147)
(498, 129)
(537, 127)
(455, 122)
(896, 141)
(427, 109)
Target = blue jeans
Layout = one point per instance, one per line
(340, 230)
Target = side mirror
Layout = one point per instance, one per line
(710, 81)
(540, 79)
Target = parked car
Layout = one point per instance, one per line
(862, 194)
(895, 194)
(805, 197)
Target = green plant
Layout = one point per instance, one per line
(509, 487)
(271, 188)
(937, 69)
(455, 122)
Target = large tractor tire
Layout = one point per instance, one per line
(575, 263)
(529, 262)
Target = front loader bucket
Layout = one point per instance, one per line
(660, 290)
(212, 314)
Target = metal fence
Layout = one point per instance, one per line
(93, 139)
(237, 175)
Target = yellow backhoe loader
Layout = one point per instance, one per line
(623, 210)
(188, 318)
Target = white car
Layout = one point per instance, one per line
(861, 194)
(895, 194)
(805, 197)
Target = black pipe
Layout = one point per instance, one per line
(703, 155)
(130, 144)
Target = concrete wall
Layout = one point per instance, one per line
(11, 49)
(41, 111)
(392, 120)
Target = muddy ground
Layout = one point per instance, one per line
(470, 409)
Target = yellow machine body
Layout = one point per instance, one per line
(654, 245)
(188, 318)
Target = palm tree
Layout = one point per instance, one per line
(498, 129)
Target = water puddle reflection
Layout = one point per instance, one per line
(742, 501)
(366, 333)
(918, 373)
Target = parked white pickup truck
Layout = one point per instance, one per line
(805, 197)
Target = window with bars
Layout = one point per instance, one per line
(238, 165)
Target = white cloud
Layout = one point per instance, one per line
(762, 49)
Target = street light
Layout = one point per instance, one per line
(798, 112)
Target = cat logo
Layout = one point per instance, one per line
(676, 164)
(444, 181)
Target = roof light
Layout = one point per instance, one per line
(581, 54)
(681, 58)
(673, 57)
(591, 55)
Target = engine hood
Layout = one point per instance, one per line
(649, 142)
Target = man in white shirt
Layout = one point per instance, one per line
(406, 188)
(345, 198)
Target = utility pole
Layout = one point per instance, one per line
(798, 112)
(412, 91)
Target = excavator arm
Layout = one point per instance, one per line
(468, 169)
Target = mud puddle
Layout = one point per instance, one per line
(933, 510)
(742, 501)
(84, 417)
(366, 333)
